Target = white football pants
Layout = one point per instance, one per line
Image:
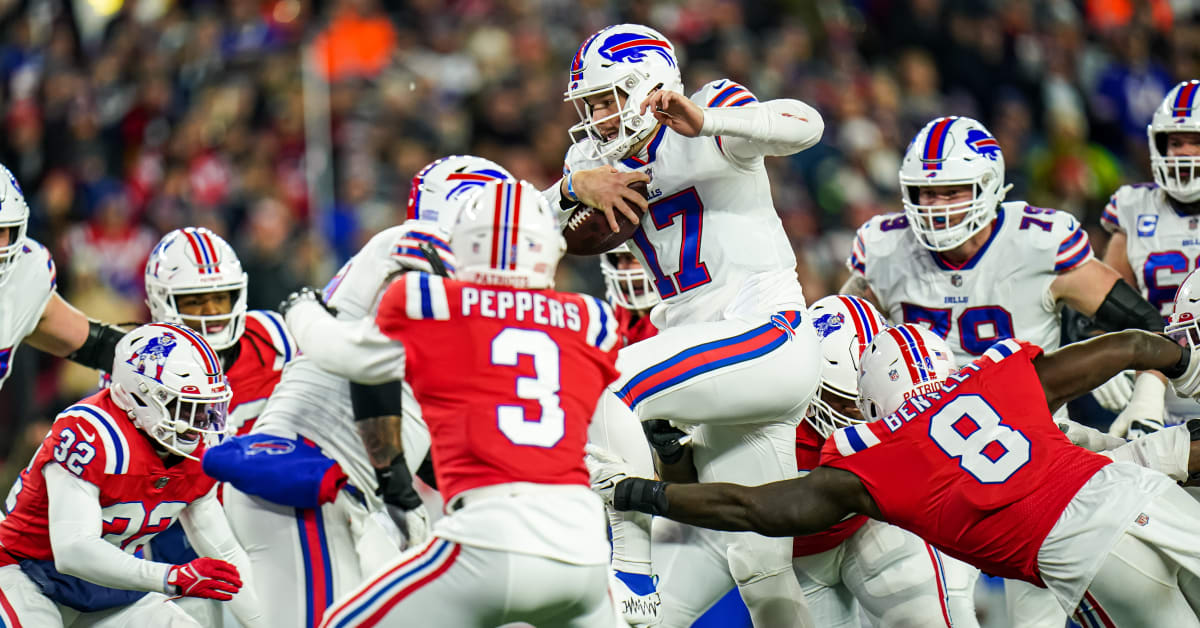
(23, 605)
(897, 578)
(443, 583)
(745, 384)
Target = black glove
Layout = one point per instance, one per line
(304, 294)
(664, 438)
(396, 485)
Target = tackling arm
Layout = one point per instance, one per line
(1078, 368)
(787, 508)
(75, 527)
(66, 332)
(356, 350)
(208, 531)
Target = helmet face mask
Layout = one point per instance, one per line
(901, 362)
(845, 325)
(1179, 112)
(14, 218)
(508, 236)
(195, 261)
(625, 63)
(169, 381)
(952, 151)
(630, 287)
(1183, 326)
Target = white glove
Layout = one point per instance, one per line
(1146, 406)
(606, 470)
(1114, 394)
(424, 247)
(416, 526)
(1089, 438)
(1166, 451)
(1188, 384)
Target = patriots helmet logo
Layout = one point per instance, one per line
(633, 47)
(828, 323)
(155, 351)
(982, 143)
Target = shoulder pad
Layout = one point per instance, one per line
(271, 325)
(414, 296)
(86, 441)
(1128, 201)
(877, 238)
(42, 259)
(723, 93)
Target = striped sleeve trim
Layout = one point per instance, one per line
(1002, 350)
(602, 324)
(1109, 218)
(853, 439)
(1074, 250)
(858, 256)
(733, 95)
(425, 297)
(278, 332)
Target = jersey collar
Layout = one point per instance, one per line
(945, 265)
(651, 151)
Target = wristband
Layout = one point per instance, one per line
(571, 195)
(1180, 367)
(642, 495)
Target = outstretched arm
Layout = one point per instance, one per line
(776, 127)
(787, 508)
(1078, 368)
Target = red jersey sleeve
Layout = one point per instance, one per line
(87, 445)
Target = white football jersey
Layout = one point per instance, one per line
(1163, 246)
(316, 404)
(712, 241)
(25, 294)
(1002, 292)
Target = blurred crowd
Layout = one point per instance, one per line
(293, 127)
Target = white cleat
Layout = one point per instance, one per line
(639, 611)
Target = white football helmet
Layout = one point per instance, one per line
(629, 59)
(845, 325)
(1179, 112)
(508, 236)
(952, 151)
(901, 362)
(1183, 326)
(442, 188)
(630, 288)
(194, 260)
(14, 215)
(169, 381)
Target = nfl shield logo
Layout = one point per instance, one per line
(1192, 224)
(1142, 519)
(894, 375)
(956, 280)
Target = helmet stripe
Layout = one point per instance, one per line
(200, 259)
(577, 61)
(514, 226)
(935, 142)
(496, 216)
(211, 249)
(920, 354)
(1184, 99)
(865, 324)
(204, 250)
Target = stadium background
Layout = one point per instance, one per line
(293, 127)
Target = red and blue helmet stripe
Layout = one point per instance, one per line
(577, 61)
(212, 365)
(1185, 100)
(916, 356)
(203, 250)
(866, 322)
(935, 143)
(506, 219)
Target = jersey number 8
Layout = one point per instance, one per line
(969, 429)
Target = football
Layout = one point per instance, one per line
(587, 231)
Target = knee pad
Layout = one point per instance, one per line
(753, 558)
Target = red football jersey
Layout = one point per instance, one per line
(979, 469)
(808, 456)
(634, 330)
(507, 379)
(139, 496)
(262, 351)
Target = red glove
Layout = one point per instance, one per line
(204, 577)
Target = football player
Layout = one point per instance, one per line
(33, 311)
(977, 270)
(630, 291)
(118, 468)
(734, 352)
(1156, 228)
(508, 373)
(960, 459)
(374, 434)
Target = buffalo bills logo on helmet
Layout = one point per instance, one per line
(464, 181)
(275, 447)
(828, 323)
(155, 352)
(984, 144)
(633, 47)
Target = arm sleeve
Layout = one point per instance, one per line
(776, 127)
(75, 526)
(356, 350)
(208, 531)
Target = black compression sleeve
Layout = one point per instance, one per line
(425, 471)
(370, 401)
(100, 348)
(642, 495)
(1124, 308)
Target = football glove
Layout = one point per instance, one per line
(606, 470)
(666, 439)
(1145, 408)
(1114, 394)
(304, 295)
(203, 577)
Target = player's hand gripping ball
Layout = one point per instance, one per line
(588, 233)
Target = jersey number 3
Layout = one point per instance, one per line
(969, 429)
(507, 348)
